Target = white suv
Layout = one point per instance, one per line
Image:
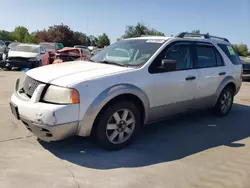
(130, 83)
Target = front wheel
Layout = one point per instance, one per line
(118, 125)
(224, 102)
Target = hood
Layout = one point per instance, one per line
(67, 73)
(21, 54)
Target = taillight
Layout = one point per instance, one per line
(241, 73)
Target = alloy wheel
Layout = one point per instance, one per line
(120, 126)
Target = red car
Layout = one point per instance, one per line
(70, 54)
(51, 48)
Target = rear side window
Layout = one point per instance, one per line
(231, 53)
(206, 56)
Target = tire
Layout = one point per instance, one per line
(119, 117)
(224, 103)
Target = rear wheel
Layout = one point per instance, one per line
(118, 125)
(224, 102)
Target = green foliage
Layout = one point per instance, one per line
(93, 40)
(103, 40)
(196, 31)
(30, 38)
(241, 49)
(19, 33)
(139, 30)
(5, 35)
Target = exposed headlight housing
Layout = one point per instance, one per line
(61, 95)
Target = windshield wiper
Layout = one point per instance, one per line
(112, 63)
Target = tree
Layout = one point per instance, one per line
(41, 36)
(19, 33)
(80, 38)
(196, 31)
(103, 40)
(6, 35)
(30, 38)
(241, 49)
(93, 40)
(60, 33)
(140, 29)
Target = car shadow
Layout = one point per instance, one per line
(160, 142)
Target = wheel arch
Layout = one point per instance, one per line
(109, 96)
(226, 82)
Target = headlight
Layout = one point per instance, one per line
(32, 59)
(61, 95)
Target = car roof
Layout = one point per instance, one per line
(198, 39)
(149, 38)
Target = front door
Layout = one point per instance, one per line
(172, 92)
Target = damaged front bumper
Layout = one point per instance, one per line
(49, 122)
(16, 64)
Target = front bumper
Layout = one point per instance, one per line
(49, 122)
(17, 64)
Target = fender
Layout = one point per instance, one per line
(86, 124)
(225, 81)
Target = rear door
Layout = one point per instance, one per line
(211, 68)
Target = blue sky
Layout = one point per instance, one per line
(228, 18)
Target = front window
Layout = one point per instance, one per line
(129, 52)
(28, 48)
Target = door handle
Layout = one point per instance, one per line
(222, 73)
(190, 78)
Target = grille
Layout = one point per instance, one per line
(30, 85)
(18, 58)
(246, 71)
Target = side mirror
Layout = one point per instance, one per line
(168, 64)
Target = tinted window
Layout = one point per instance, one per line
(206, 56)
(231, 53)
(180, 52)
(182, 55)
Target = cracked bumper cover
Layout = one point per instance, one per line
(49, 122)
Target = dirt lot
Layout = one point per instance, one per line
(197, 151)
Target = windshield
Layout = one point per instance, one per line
(28, 48)
(48, 46)
(13, 44)
(129, 52)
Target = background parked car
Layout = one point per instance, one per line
(26, 56)
(51, 48)
(2, 49)
(81, 46)
(70, 54)
(246, 67)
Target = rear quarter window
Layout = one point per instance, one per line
(231, 53)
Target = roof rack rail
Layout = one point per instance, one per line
(206, 36)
